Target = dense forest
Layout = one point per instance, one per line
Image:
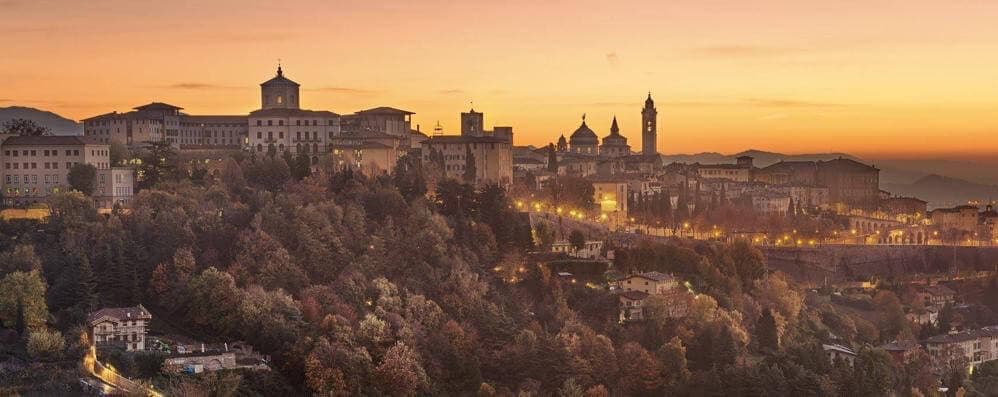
(375, 286)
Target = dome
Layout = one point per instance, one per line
(583, 135)
(614, 138)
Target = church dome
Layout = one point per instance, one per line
(583, 135)
(614, 138)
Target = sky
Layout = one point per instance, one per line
(875, 78)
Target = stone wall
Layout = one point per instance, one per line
(836, 263)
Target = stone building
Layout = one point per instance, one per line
(978, 346)
(583, 141)
(649, 128)
(963, 218)
(157, 122)
(493, 157)
(123, 327)
(282, 125)
(35, 167)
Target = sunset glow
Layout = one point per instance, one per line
(873, 78)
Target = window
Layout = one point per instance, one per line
(259, 122)
(270, 122)
(280, 122)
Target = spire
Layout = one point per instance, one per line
(583, 119)
(614, 129)
(649, 103)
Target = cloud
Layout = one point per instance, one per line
(344, 90)
(192, 85)
(613, 59)
(790, 103)
(742, 51)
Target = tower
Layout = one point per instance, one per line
(472, 123)
(279, 92)
(649, 127)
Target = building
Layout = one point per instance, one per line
(731, 172)
(473, 123)
(771, 203)
(850, 182)
(583, 141)
(839, 352)
(281, 125)
(123, 327)
(492, 157)
(788, 172)
(935, 296)
(35, 167)
(614, 145)
(908, 210)
(649, 128)
(978, 346)
(383, 119)
(161, 122)
(634, 291)
(963, 218)
(649, 283)
(611, 197)
(591, 249)
(370, 153)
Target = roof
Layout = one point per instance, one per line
(939, 290)
(723, 166)
(654, 276)
(844, 164)
(464, 139)
(279, 79)
(583, 134)
(56, 140)
(900, 346)
(285, 112)
(788, 166)
(526, 160)
(384, 110)
(157, 106)
(986, 332)
(838, 348)
(120, 313)
(211, 119)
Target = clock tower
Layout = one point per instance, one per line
(649, 128)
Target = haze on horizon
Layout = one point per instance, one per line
(879, 79)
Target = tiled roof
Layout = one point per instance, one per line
(157, 106)
(121, 313)
(59, 140)
(292, 112)
(986, 332)
(384, 110)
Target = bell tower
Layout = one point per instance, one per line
(279, 92)
(649, 127)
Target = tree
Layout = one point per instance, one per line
(22, 296)
(22, 258)
(984, 381)
(24, 127)
(400, 372)
(301, 166)
(118, 153)
(45, 344)
(873, 372)
(159, 163)
(552, 159)
(470, 169)
(577, 239)
(767, 333)
(82, 177)
(571, 389)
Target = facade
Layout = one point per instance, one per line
(649, 283)
(590, 250)
(649, 128)
(771, 203)
(493, 157)
(473, 123)
(34, 167)
(634, 291)
(611, 197)
(731, 172)
(850, 182)
(370, 153)
(158, 122)
(963, 218)
(978, 346)
(837, 352)
(120, 327)
(282, 125)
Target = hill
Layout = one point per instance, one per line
(57, 124)
(944, 191)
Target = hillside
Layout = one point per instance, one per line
(943, 191)
(57, 124)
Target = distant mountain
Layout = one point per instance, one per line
(760, 158)
(57, 124)
(944, 191)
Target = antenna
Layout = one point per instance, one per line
(438, 130)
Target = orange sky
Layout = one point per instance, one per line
(880, 78)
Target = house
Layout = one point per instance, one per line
(978, 346)
(839, 352)
(936, 295)
(929, 315)
(900, 350)
(120, 327)
(590, 250)
(634, 291)
(649, 283)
